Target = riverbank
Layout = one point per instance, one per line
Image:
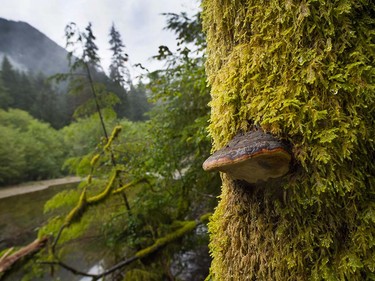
(28, 187)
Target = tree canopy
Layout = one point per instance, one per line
(30, 149)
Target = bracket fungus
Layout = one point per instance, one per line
(254, 156)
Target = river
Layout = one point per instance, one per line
(21, 213)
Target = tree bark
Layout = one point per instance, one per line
(304, 72)
(8, 261)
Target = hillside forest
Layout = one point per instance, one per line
(138, 147)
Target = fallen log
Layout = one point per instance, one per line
(8, 260)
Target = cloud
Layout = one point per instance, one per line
(139, 22)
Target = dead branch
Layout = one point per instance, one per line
(9, 260)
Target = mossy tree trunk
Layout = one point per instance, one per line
(305, 72)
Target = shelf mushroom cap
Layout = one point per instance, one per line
(253, 156)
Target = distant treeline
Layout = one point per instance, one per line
(29, 149)
(33, 150)
(50, 102)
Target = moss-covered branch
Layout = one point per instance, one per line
(161, 242)
(113, 136)
(187, 227)
(78, 210)
(83, 203)
(106, 192)
(128, 185)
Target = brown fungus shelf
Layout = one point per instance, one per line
(255, 156)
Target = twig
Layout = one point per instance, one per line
(69, 268)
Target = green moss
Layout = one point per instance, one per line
(129, 185)
(304, 71)
(77, 211)
(141, 275)
(89, 179)
(114, 135)
(107, 190)
(185, 227)
(94, 160)
(161, 242)
(204, 218)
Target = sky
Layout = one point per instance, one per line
(139, 22)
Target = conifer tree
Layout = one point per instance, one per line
(118, 72)
(303, 71)
(32, 93)
(5, 98)
(85, 74)
(8, 75)
(25, 91)
(90, 50)
(19, 85)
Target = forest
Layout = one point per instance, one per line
(138, 148)
(33, 105)
(277, 96)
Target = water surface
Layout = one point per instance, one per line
(20, 218)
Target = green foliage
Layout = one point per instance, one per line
(188, 29)
(84, 137)
(158, 164)
(172, 149)
(161, 242)
(136, 105)
(106, 101)
(13, 163)
(176, 139)
(90, 88)
(141, 275)
(76, 230)
(66, 198)
(85, 71)
(302, 70)
(30, 150)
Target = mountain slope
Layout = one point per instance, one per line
(30, 49)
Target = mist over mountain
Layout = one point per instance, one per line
(30, 50)
(30, 53)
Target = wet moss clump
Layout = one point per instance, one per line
(303, 71)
